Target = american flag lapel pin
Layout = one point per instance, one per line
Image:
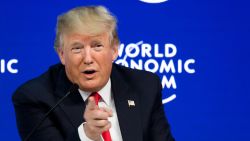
(131, 103)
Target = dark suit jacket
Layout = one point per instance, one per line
(145, 121)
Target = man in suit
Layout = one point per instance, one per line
(111, 103)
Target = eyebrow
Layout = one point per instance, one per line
(96, 41)
(76, 44)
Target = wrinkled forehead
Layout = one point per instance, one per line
(87, 32)
(90, 29)
(86, 38)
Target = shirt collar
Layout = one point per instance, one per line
(105, 93)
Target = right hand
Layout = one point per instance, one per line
(96, 119)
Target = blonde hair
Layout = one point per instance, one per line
(90, 20)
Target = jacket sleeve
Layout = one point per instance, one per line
(160, 129)
(30, 111)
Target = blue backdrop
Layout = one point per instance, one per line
(211, 99)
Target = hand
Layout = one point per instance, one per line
(96, 120)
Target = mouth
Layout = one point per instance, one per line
(89, 72)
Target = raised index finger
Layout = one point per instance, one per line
(91, 104)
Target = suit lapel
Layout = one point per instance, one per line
(128, 116)
(73, 106)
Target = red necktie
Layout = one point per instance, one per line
(105, 135)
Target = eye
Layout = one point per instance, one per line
(76, 50)
(97, 46)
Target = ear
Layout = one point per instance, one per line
(114, 52)
(61, 55)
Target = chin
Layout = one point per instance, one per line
(90, 87)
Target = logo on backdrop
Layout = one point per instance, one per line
(8, 66)
(153, 1)
(156, 58)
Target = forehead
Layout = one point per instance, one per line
(78, 37)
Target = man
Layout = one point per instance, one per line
(112, 102)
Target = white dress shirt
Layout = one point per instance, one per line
(106, 100)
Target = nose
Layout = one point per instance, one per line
(87, 56)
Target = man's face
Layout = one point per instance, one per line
(88, 59)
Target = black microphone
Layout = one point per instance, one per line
(72, 88)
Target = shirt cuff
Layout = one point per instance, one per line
(82, 134)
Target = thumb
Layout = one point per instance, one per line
(91, 103)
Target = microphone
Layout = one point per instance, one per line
(72, 88)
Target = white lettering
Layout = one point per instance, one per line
(2, 66)
(168, 48)
(120, 50)
(154, 63)
(146, 48)
(129, 50)
(186, 66)
(135, 65)
(167, 67)
(122, 62)
(168, 83)
(8, 66)
(157, 53)
(179, 66)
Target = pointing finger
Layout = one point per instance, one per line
(91, 104)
